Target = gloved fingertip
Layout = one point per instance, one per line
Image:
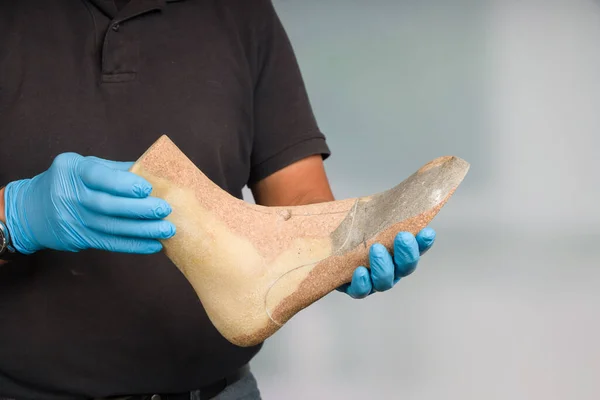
(428, 234)
(142, 189)
(425, 240)
(377, 250)
(406, 238)
(154, 247)
(361, 273)
(169, 231)
(135, 247)
(162, 210)
(361, 285)
(357, 293)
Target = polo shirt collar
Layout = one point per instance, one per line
(132, 9)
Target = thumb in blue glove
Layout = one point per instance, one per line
(386, 269)
(86, 203)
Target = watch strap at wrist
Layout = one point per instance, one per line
(5, 242)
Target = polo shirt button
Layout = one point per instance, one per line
(115, 28)
(155, 397)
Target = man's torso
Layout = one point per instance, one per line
(101, 323)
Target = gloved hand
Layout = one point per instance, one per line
(386, 270)
(86, 203)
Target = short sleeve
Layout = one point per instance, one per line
(285, 129)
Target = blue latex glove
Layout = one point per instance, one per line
(386, 270)
(86, 203)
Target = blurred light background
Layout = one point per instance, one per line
(506, 305)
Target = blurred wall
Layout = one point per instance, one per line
(506, 305)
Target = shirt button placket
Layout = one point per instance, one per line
(120, 54)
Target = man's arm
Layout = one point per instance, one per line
(302, 182)
(288, 150)
(305, 182)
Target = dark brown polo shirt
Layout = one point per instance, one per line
(220, 78)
